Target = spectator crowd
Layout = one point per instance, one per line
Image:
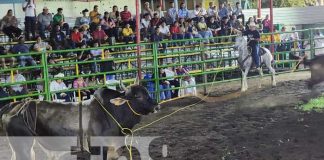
(96, 28)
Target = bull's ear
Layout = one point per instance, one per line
(118, 101)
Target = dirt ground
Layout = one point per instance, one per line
(261, 124)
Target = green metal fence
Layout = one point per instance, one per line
(204, 60)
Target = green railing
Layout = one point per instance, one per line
(209, 63)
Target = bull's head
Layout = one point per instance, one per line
(137, 97)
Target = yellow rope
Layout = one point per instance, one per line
(155, 121)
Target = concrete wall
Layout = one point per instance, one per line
(294, 16)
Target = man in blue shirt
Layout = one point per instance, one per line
(22, 48)
(183, 11)
(223, 12)
(253, 42)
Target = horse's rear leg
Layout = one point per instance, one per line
(260, 76)
(273, 74)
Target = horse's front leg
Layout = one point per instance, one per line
(244, 86)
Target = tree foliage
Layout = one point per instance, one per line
(287, 3)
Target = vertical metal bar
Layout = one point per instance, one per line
(156, 71)
(77, 74)
(202, 55)
(259, 8)
(45, 76)
(12, 78)
(138, 40)
(311, 43)
(271, 26)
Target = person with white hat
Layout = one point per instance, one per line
(253, 41)
(44, 20)
(59, 85)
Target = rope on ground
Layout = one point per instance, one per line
(129, 148)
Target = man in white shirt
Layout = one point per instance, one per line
(30, 18)
(164, 30)
(199, 12)
(59, 85)
(18, 89)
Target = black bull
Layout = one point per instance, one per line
(42, 118)
(316, 82)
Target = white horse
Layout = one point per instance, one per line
(245, 61)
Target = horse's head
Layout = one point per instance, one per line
(240, 41)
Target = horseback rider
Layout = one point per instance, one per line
(253, 42)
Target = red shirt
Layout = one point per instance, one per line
(76, 37)
(125, 16)
(155, 21)
(99, 35)
(175, 30)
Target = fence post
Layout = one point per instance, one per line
(45, 76)
(311, 43)
(203, 58)
(156, 71)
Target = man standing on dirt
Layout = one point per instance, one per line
(253, 41)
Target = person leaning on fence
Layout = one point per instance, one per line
(59, 85)
(9, 26)
(80, 83)
(11, 60)
(253, 42)
(163, 84)
(170, 72)
(18, 89)
(186, 80)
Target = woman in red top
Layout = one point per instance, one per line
(76, 38)
(176, 31)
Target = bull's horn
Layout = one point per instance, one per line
(121, 85)
(137, 81)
